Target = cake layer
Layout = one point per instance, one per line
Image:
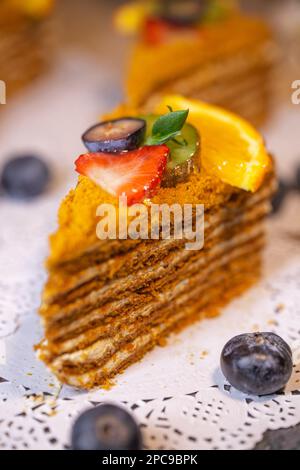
(235, 278)
(224, 92)
(239, 83)
(93, 326)
(159, 258)
(63, 285)
(225, 71)
(203, 274)
(235, 71)
(237, 231)
(153, 279)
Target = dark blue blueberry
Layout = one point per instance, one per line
(106, 427)
(115, 136)
(257, 363)
(279, 197)
(25, 176)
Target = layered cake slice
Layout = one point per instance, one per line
(113, 294)
(203, 49)
(25, 41)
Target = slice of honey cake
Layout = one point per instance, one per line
(208, 50)
(110, 298)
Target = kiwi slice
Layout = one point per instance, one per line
(184, 153)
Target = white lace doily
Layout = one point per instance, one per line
(177, 393)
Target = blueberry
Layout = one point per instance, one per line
(115, 136)
(25, 177)
(279, 197)
(257, 363)
(106, 427)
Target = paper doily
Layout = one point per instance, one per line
(177, 393)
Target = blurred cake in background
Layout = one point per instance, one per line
(24, 40)
(204, 49)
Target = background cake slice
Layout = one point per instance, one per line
(107, 302)
(25, 41)
(216, 54)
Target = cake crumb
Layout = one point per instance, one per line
(203, 354)
(279, 308)
(108, 385)
(191, 359)
(162, 342)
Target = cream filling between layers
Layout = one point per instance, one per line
(84, 276)
(138, 346)
(134, 281)
(155, 273)
(103, 346)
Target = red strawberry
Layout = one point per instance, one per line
(155, 31)
(136, 173)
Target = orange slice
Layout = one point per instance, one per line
(232, 149)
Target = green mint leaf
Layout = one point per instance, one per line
(169, 124)
(167, 127)
(160, 139)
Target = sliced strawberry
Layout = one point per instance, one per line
(137, 174)
(155, 31)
